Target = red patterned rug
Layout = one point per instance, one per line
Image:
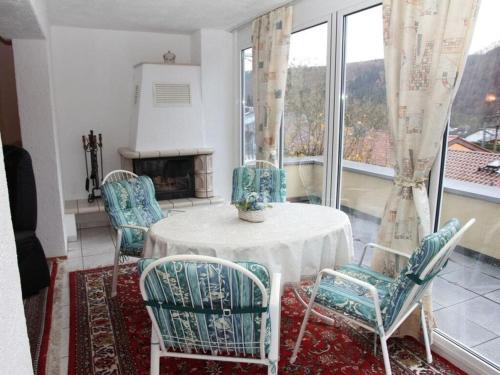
(38, 314)
(111, 336)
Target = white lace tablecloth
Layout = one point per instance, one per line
(296, 239)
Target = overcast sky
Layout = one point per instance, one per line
(364, 36)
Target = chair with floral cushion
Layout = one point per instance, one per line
(211, 309)
(260, 177)
(380, 303)
(130, 203)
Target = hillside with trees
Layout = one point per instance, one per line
(365, 104)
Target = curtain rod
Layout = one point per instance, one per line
(249, 20)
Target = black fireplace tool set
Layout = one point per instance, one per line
(92, 146)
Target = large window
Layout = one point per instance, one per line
(305, 119)
(366, 158)
(248, 120)
(467, 293)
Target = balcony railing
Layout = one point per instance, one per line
(366, 187)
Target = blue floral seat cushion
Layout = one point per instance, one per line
(349, 298)
(271, 182)
(131, 202)
(352, 300)
(133, 249)
(206, 285)
(420, 258)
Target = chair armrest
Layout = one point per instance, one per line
(383, 248)
(364, 284)
(128, 226)
(275, 315)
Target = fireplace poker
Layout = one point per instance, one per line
(100, 152)
(87, 181)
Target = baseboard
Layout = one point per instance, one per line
(461, 357)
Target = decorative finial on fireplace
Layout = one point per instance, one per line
(169, 58)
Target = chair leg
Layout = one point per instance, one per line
(304, 322)
(117, 261)
(385, 354)
(155, 354)
(272, 368)
(425, 331)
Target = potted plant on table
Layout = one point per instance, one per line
(251, 207)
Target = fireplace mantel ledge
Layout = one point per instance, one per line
(127, 153)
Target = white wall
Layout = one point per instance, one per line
(93, 88)
(32, 69)
(216, 60)
(39, 136)
(14, 348)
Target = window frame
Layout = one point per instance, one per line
(339, 94)
(445, 346)
(242, 104)
(330, 22)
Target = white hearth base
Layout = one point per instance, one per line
(80, 214)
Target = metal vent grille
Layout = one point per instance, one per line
(165, 94)
(136, 94)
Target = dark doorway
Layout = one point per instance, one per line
(9, 114)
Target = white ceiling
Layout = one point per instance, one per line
(177, 16)
(18, 20)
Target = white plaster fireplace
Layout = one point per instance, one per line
(167, 110)
(167, 136)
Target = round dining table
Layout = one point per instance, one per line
(296, 239)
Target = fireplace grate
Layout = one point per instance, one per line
(173, 177)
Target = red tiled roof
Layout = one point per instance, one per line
(460, 165)
(464, 166)
(455, 140)
(374, 148)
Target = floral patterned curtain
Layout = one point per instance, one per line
(270, 47)
(425, 49)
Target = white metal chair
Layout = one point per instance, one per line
(376, 302)
(211, 309)
(130, 216)
(117, 175)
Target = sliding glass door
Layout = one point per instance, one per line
(366, 174)
(335, 143)
(249, 149)
(466, 295)
(303, 135)
(305, 121)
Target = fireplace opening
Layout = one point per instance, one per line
(173, 177)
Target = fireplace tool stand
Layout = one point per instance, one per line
(92, 145)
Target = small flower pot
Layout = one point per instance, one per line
(252, 216)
